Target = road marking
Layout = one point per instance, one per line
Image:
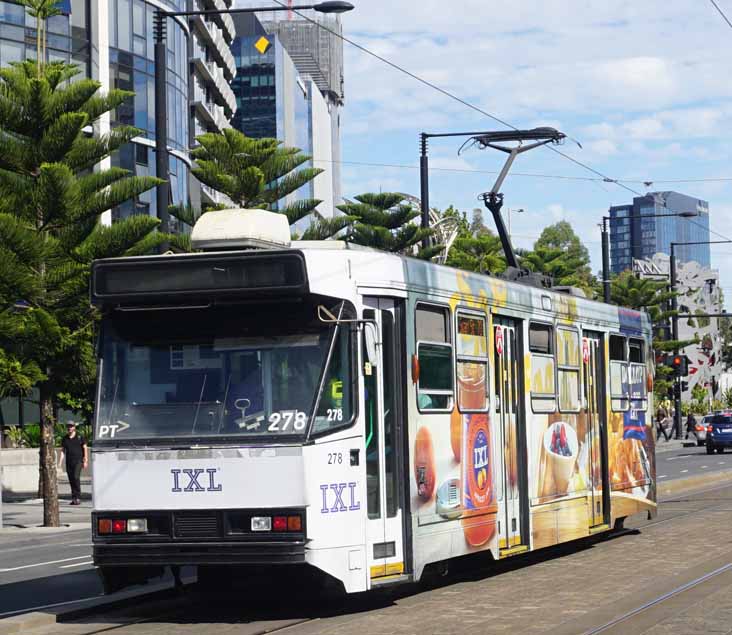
(76, 564)
(662, 476)
(704, 467)
(42, 564)
(684, 471)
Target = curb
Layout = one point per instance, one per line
(693, 482)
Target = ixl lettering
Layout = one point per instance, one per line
(480, 457)
(333, 495)
(196, 481)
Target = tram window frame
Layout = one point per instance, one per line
(570, 369)
(619, 400)
(639, 345)
(464, 358)
(543, 402)
(446, 344)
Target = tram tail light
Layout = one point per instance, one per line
(279, 523)
(104, 526)
(119, 526)
(294, 523)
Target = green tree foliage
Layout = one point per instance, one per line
(476, 248)
(51, 198)
(386, 221)
(259, 174)
(559, 253)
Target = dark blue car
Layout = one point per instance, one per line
(719, 432)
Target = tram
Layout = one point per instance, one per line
(357, 413)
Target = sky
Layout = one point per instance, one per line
(644, 87)
(641, 89)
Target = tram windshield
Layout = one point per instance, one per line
(246, 371)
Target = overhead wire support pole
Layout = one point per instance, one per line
(605, 262)
(424, 186)
(161, 122)
(494, 199)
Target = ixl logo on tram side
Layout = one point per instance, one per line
(197, 482)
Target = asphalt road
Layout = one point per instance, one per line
(684, 462)
(38, 570)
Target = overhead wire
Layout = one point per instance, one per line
(467, 104)
(726, 19)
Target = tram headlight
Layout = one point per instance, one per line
(261, 523)
(137, 525)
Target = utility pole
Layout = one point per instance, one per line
(675, 338)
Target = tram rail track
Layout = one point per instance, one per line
(623, 619)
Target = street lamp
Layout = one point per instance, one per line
(520, 210)
(675, 320)
(161, 107)
(606, 244)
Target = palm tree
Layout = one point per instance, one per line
(51, 198)
(41, 10)
(385, 221)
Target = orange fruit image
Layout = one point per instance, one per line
(424, 464)
(456, 433)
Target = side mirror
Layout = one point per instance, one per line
(370, 338)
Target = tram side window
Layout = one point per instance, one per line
(435, 383)
(619, 386)
(568, 364)
(543, 388)
(637, 374)
(472, 363)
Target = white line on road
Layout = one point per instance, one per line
(704, 467)
(721, 463)
(76, 564)
(42, 564)
(684, 471)
(662, 476)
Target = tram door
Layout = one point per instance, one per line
(509, 426)
(384, 430)
(594, 407)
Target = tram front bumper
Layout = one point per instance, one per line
(192, 538)
(195, 553)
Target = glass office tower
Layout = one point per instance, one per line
(633, 237)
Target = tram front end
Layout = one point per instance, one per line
(226, 431)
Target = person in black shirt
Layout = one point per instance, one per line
(76, 453)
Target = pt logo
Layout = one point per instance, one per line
(333, 498)
(196, 480)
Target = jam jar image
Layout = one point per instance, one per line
(479, 499)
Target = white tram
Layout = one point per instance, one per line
(354, 412)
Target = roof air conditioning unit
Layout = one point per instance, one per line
(232, 229)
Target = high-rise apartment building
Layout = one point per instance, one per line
(112, 42)
(284, 90)
(634, 237)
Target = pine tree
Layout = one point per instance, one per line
(385, 221)
(51, 199)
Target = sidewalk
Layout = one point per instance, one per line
(673, 444)
(27, 513)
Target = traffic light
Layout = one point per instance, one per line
(680, 365)
(684, 386)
